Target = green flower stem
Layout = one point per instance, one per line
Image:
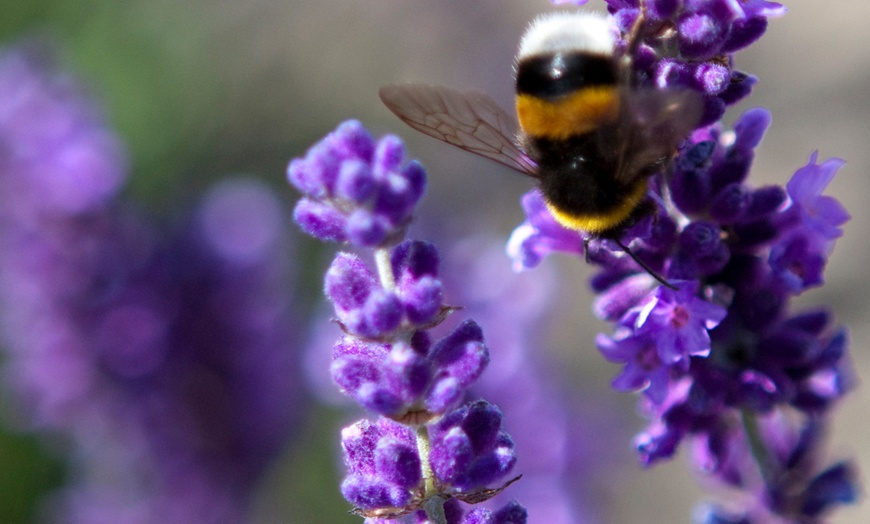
(759, 451)
(434, 502)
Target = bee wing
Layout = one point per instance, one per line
(470, 120)
(653, 124)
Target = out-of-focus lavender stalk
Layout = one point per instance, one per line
(163, 358)
(430, 448)
(720, 358)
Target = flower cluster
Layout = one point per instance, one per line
(564, 444)
(717, 355)
(355, 190)
(429, 449)
(690, 44)
(365, 309)
(163, 361)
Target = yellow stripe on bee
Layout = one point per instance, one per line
(601, 222)
(580, 112)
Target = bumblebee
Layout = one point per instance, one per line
(587, 133)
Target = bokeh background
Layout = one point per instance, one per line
(205, 89)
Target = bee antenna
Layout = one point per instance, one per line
(646, 267)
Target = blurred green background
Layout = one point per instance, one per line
(204, 89)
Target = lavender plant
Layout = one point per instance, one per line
(162, 359)
(721, 359)
(430, 447)
(564, 435)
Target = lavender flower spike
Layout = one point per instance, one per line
(722, 361)
(162, 361)
(421, 458)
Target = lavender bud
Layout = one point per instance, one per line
(356, 189)
(382, 463)
(469, 449)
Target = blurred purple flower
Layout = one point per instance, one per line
(165, 364)
(540, 235)
(53, 142)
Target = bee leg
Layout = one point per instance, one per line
(645, 267)
(586, 248)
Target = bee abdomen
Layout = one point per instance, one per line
(579, 186)
(566, 94)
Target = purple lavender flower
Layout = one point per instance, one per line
(758, 359)
(387, 360)
(540, 235)
(722, 351)
(469, 448)
(662, 331)
(511, 513)
(698, 53)
(415, 380)
(469, 451)
(415, 266)
(677, 321)
(192, 389)
(366, 309)
(790, 486)
(813, 223)
(164, 365)
(382, 463)
(563, 459)
(53, 140)
(644, 369)
(356, 189)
